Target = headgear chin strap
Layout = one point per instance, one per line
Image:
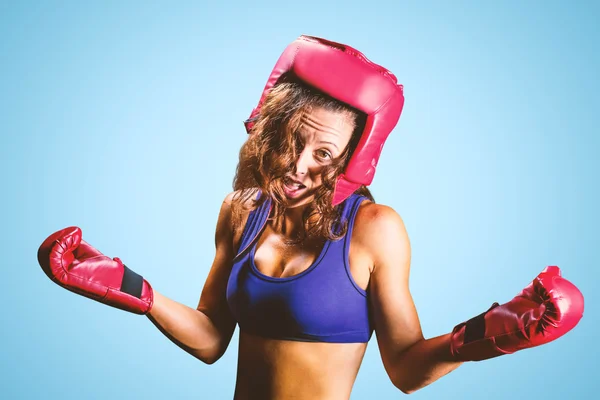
(346, 75)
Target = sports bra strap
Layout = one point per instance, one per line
(254, 224)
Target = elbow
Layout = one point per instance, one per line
(211, 350)
(406, 389)
(209, 356)
(406, 386)
(208, 360)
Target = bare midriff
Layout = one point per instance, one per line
(271, 369)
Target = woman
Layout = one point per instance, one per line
(307, 264)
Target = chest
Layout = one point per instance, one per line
(277, 258)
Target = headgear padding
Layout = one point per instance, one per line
(346, 75)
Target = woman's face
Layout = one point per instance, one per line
(322, 137)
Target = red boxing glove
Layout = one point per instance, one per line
(544, 311)
(75, 265)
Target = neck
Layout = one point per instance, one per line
(290, 224)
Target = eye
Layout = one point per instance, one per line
(323, 154)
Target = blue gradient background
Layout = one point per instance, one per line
(125, 118)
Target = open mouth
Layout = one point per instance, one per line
(292, 184)
(291, 187)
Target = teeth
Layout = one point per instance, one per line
(293, 184)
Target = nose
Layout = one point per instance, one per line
(303, 163)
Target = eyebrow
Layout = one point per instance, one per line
(331, 143)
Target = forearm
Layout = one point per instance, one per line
(423, 363)
(188, 328)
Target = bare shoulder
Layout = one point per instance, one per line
(381, 230)
(237, 206)
(378, 219)
(238, 202)
(243, 196)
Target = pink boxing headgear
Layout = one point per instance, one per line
(346, 75)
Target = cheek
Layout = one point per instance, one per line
(316, 177)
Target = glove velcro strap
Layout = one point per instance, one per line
(475, 327)
(132, 283)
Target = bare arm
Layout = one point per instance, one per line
(411, 361)
(204, 332)
(423, 363)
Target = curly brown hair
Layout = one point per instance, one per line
(271, 152)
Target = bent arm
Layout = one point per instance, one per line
(204, 332)
(190, 329)
(411, 361)
(546, 309)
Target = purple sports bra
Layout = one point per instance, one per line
(321, 304)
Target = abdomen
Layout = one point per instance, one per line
(280, 369)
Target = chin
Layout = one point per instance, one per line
(299, 201)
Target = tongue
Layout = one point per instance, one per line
(295, 185)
